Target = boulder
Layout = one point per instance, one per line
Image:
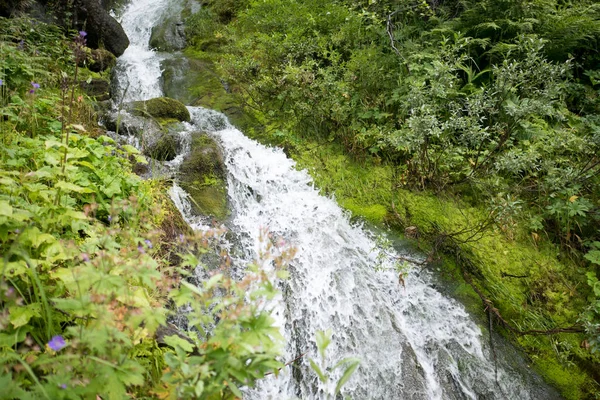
(195, 82)
(160, 107)
(157, 142)
(202, 175)
(97, 88)
(101, 27)
(101, 60)
(169, 35)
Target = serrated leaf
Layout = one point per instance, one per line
(20, 315)
(593, 257)
(130, 149)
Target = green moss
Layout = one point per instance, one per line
(202, 175)
(374, 213)
(161, 107)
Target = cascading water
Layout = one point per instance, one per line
(413, 342)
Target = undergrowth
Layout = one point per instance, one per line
(88, 274)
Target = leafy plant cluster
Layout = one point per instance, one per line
(86, 291)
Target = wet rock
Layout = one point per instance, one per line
(102, 27)
(98, 88)
(169, 35)
(160, 107)
(101, 60)
(202, 175)
(155, 141)
(195, 82)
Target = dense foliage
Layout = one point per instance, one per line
(86, 286)
(494, 102)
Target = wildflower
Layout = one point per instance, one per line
(141, 250)
(148, 243)
(85, 257)
(1, 82)
(35, 86)
(82, 34)
(110, 218)
(63, 386)
(57, 343)
(21, 45)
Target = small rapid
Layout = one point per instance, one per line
(413, 341)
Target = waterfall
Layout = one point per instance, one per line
(413, 341)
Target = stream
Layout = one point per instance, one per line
(414, 342)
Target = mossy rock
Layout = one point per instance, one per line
(202, 175)
(98, 88)
(160, 107)
(101, 60)
(169, 35)
(164, 149)
(194, 81)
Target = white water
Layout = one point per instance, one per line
(413, 342)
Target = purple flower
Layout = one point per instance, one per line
(110, 218)
(35, 86)
(21, 44)
(85, 257)
(63, 386)
(57, 343)
(82, 34)
(1, 82)
(148, 243)
(141, 249)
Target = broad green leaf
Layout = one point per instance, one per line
(593, 257)
(54, 143)
(5, 208)
(12, 338)
(130, 149)
(17, 268)
(20, 315)
(71, 187)
(175, 341)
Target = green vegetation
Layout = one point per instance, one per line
(202, 176)
(477, 122)
(94, 260)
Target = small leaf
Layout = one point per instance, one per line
(352, 365)
(213, 281)
(323, 341)
(316, 368)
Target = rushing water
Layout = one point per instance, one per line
(413, 342)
